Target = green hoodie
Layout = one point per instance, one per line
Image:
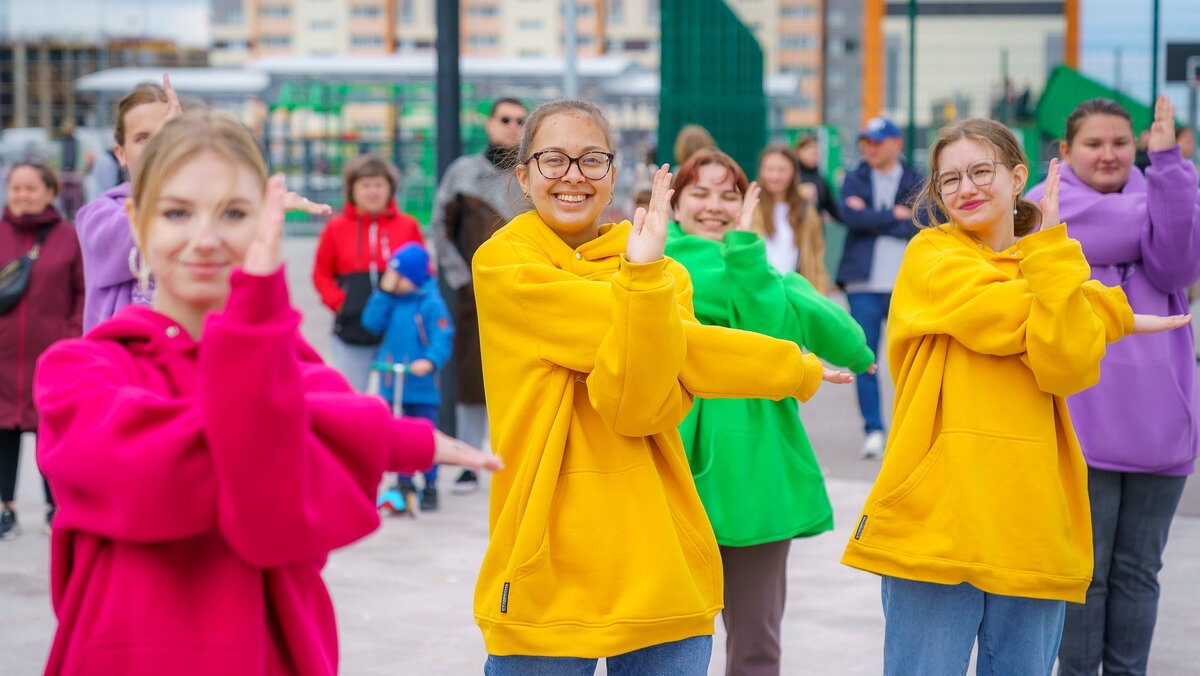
(752, 462)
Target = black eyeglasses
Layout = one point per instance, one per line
(504, 119)
(981, 173)
(555, 163)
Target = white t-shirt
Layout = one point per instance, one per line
(888, 251)
(782, 252)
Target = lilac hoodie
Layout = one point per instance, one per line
(1141, 417)
(107, 243)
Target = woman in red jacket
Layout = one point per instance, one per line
(51, 308)
(354, 250)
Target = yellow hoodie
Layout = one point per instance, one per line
(983, 480)
(599, 543)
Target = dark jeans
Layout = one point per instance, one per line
(10, 454)
(430, 413)
(870, 310)
(1131, 516)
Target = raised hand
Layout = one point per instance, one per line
(296, 202)
(265, 253)
(451, 451)
(749, 206)
(1155, 323)
(1049, 203)
(648, 239)
(174, 107)
(1162, 131)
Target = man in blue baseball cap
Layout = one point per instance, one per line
(876, 206)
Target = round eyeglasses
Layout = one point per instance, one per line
(981, 173)
(555, 163)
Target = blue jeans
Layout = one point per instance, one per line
(1131, 515)
(931, 628)
(430, 413)
(870, 310)
(688, 657)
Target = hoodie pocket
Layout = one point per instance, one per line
(615, 549)
(982, 499)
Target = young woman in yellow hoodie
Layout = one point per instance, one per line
(978, 520)
(599, 544)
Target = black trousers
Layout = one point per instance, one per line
(10, 454)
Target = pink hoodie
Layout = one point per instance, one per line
(200, 487)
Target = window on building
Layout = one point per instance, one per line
(653, 14)
(407, 11)
(366, 40)
(529, 24)
(616, 11)
(320, 25)
(797, 11)
(792, 41)
(530, 53)
(480, 40)
(275, 11)
(275, 41)
(478, 9)
(366, 11)
(892, 74)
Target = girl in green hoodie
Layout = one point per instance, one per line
(752, 462)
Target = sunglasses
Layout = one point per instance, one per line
(504, 119)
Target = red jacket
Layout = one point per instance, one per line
(348, 243)
(200, 487)
(51, 309)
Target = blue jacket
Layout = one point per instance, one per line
(414, 326)
(866, 224)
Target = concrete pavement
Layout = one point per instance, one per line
(403, 595)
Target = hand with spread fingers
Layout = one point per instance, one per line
(749, 206)
(265, 253)
(648, 239)
(1049, 201)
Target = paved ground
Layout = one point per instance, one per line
(404, 594)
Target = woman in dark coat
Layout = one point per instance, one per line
(50, 309)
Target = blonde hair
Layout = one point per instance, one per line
(1008, 153)
(691, 138)
(181, 139)
(808, 230)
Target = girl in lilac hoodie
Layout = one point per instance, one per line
(110, 259)
(206, 462)
(1138, 426)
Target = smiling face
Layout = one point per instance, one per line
(984, 210)
(571, 204)
(371, 194)
(27, 192)
(710, 206)
(1101, 152)
(141, 122)
(775, 174)
(197, 230)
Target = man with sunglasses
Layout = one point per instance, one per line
(876, 208)
(477, 195)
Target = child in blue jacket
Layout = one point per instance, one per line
(408, 311)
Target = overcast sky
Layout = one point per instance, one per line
(183, 20)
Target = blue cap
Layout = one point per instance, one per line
(879, 128)
(412, 261)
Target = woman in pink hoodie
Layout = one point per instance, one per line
(204, 458)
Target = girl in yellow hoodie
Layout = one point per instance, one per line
(978, 520)
(599, 544)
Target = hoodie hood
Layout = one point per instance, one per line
(49, 216)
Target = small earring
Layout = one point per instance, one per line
(610, 199)
(528, 199)
(133, 263)
(1014, 212)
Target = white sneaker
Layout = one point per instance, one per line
(873, 445)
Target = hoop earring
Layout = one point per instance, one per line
(528, 199)
(141, 272)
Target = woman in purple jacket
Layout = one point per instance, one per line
(1138, 426)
